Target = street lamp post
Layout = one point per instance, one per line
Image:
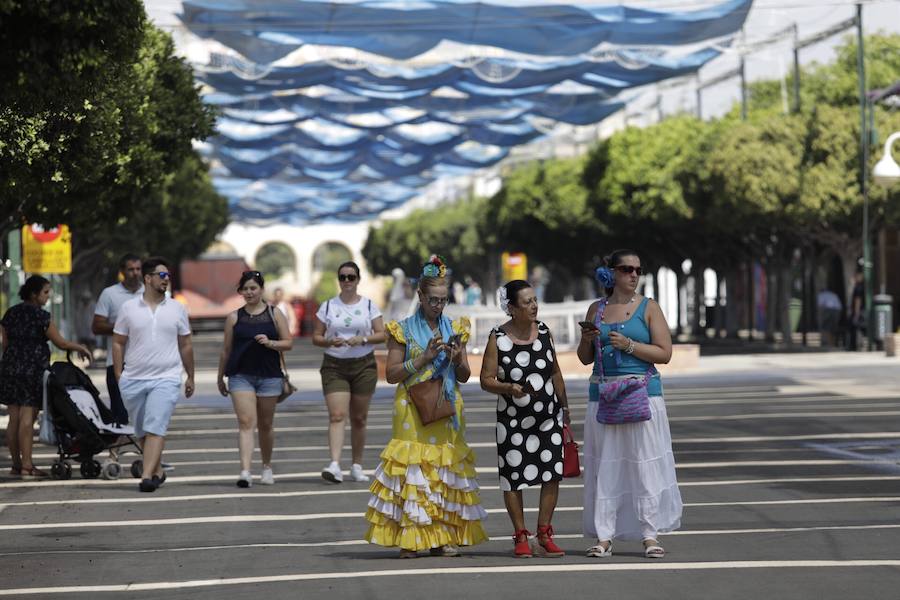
(887, 171)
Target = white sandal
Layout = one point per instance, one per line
(654, 550)
(598, 551)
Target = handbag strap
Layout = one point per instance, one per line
(284, 371)
(598, 320)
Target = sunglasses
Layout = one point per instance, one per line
(349, 277)
(162, 274)
(435, 302)
(251, 274)
(628, 269)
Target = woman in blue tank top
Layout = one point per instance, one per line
(254, 336)
(630, 489)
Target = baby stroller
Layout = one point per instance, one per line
(77, 422)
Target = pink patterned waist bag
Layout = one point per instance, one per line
(622, 400)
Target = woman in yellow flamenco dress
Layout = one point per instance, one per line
(425, 496)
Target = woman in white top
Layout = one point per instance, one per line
(348, 326)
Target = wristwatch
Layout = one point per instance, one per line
(365, 341)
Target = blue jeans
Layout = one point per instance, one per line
(265, 387)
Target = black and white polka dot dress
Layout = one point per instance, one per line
(529, 429)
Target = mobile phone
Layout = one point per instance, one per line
(587, 325)
(527, 387)
(454, 340)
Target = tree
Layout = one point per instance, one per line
(459, 232)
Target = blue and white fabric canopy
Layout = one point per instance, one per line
(341, 110)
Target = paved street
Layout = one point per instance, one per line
(791, 487)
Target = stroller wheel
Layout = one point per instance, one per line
(111, 470)
(61, 470)
(90, 469)
(137, 468)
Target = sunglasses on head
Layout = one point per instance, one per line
(162, 274)
(347, 277)
(628, 269)
(251, 274)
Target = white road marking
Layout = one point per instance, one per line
(685, 440)
(323, 516)
(531, 568)
(256, 495)
(360, 542)
(178, 479)
(492, 424)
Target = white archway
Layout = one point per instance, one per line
(303, 240)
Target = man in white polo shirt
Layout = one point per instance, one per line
(151, 344)
(105, 314)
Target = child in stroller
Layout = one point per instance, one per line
(80, 425)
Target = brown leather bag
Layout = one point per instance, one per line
(430, 402)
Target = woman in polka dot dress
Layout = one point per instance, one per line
(520, 365)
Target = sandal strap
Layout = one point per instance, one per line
(521, 532)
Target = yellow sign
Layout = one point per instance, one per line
(47, 249)
(515, 266)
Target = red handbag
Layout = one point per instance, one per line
(571, 466)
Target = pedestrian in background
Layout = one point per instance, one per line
(348, 326)
(24, 331)
(151, 345)
(630, 488)
(255, 335)
(520, 366)
(425, 495)
(279, 302)
(105, 313)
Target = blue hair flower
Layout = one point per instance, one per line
(605, 277)
(431, 270)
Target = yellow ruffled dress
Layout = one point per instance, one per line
(424, 494)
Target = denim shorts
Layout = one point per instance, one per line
(150, 403)
(265, 387)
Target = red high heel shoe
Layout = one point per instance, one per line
(523, 548)
(548, 547)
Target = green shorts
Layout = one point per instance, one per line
(355, 375)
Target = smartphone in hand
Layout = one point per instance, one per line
(588, 325)
(455, 340)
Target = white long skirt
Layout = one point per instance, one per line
(630, 489)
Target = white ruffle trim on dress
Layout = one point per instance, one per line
(413, 510)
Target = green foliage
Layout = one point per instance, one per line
(97, 118)
(456, 231)
(329, 256)
(326, 289)
(274, 258)
(718, 192)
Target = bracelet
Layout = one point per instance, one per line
(410, 367)
(630, 348)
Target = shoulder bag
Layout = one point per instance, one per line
(287, 388)
(624, 400)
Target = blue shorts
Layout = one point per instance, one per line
(266, 387)
(150, 403)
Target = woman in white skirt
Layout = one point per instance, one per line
(630, 489)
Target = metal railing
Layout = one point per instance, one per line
(562, 318)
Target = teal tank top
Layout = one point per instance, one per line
(617, 362)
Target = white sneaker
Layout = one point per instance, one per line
(267, 477)
(356, 473)
(333, 473)
(245, 480)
